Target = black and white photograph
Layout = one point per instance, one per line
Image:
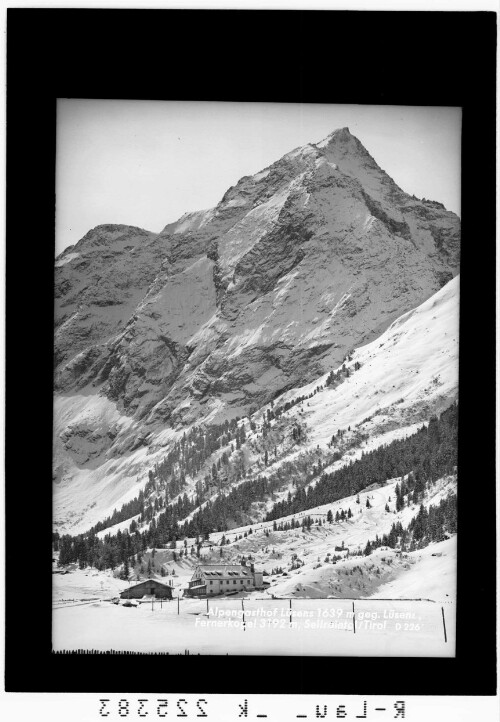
(256, 378)
(250, 378)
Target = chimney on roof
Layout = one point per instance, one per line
(243, 562)
(252, 568)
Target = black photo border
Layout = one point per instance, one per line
(394, 58)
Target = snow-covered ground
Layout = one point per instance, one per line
(408, 370)
(419, 583)
(405, 375)
(319, 576)
(264, 627)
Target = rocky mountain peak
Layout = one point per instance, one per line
(107, 234)
(338, 135)
(342, 146)
(227, 308)
(342, 138)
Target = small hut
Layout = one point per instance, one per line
(148, 588)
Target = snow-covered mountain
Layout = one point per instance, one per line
(316, 262)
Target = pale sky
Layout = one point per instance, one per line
(145, 163)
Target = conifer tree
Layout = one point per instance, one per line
(126, 570)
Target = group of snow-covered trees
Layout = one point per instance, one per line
(422, 458)
(429, 525)
(428, 454)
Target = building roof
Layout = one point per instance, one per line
(224, 571)
(210, 567)
(148, 581)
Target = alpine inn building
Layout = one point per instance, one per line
(212, 579)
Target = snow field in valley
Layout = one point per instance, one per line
(383, 581)
(408, 373)
(254, 627)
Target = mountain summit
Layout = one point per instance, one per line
(229, 307)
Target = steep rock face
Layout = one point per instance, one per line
(149, 355)
(98, 284)
(228, 307)
(394, 383)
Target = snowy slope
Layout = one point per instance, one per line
(219, 313)
(406, 375)
(319, 577)
(426, 573)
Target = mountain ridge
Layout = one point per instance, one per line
(225, 309)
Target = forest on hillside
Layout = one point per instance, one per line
(426, 456)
